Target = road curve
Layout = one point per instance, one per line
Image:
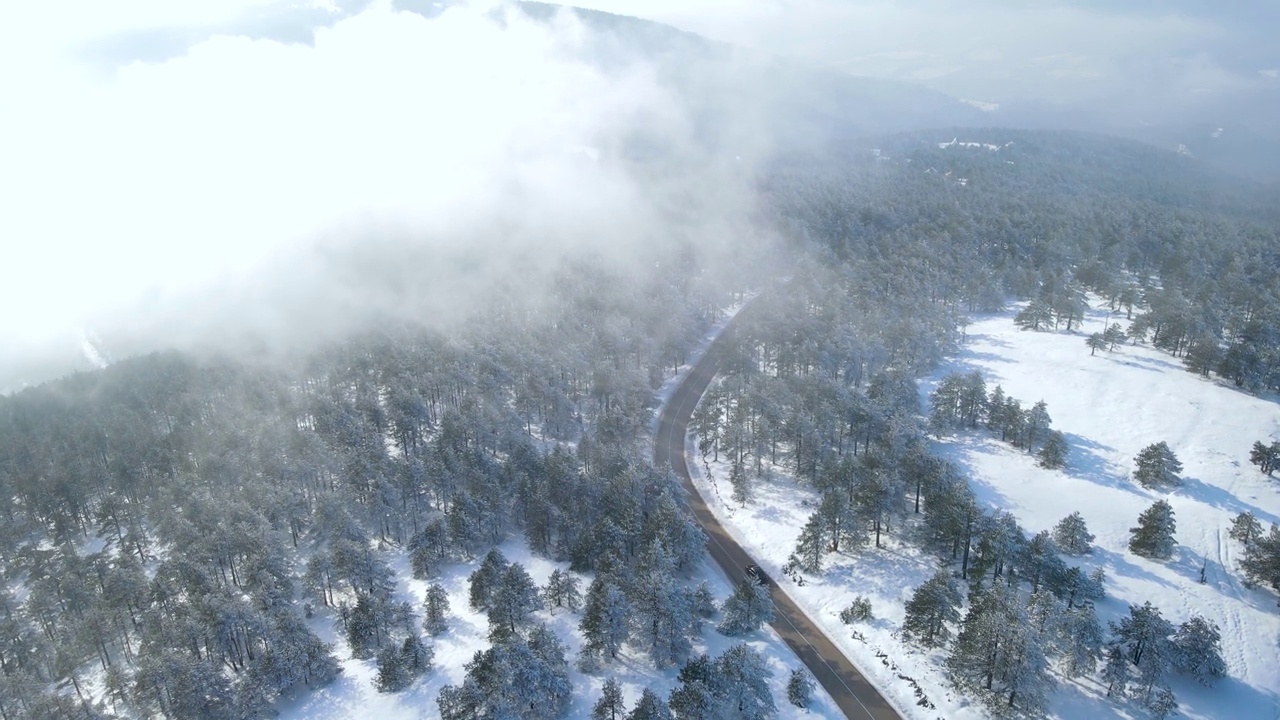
(857, 698)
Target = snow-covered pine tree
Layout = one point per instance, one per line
(1116, 672)
(704, 601)
(1198, 650)
(1053, 454)
(663, 616)
(485, 579)
(1114, 336)
(800, 688)
(1072, 535)
(694, 697)
(610, 705)
(1096, 341)
(998, 655)
(931, 608)
(740, 482)
(858, 611)
(749, 607)
(741, 685)
(1266, 457)
(562, 591)
(649, 707)
(1037, 423)
(1261, 561)
(811, 545)
(392, 674)
(1154, 535)
(1157, 466)
(417, 656)
(435, 608)
(1080, 639)
(1145, 636)
(1245, 528)
(1162, 703)
(511, 600)
(606, 621)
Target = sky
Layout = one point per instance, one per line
(166, 167)
(1136, 59)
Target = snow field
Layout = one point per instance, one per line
(1109, 406)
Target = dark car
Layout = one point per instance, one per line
(755, 572)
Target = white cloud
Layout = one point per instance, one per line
(154, 179)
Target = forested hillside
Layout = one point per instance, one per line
(170, 524)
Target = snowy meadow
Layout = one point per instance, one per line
(1109, 406)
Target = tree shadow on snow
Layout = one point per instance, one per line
(992, 340)
(1216, 497)
(1153, 364)
(1086, 461)
(1118, 565)
(967, 357)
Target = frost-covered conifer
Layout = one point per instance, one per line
(931, 608)
(749, 607)
(1198, 650)
(1153, 537)
(1072, 535)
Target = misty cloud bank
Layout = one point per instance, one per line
(276, 188)
(1129, 61)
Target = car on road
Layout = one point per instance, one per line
(755, 572)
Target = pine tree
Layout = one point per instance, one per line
(995, 409)
(1113, 336)
(610, 705)
(740, 482)
(1096, 341)
(1157, 466)
(1154, 536)
(1115, 672)
(1162, 703)
(704, 601)
(1261, 561)
(605, 623)
(649, 707)
(562, 591)
(435, 608)
(811, 545)
(858, 611)
(392, 674)
(1198, 650)
(932, 606)
(999, 655)
(664, 618)
(485, 579)
(749, 607)
(1145, 634)
(1072, 535)
(1037, 314)
(1266, 457)
(1037, 422)
(800, 688)
(693, 698)
(1245, 528)
(1053, 454)
(741, 685)
(511, 601)
(1080, 637)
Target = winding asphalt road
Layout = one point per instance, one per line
(856, 698)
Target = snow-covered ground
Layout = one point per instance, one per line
(1109, 406)
(353, 695)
